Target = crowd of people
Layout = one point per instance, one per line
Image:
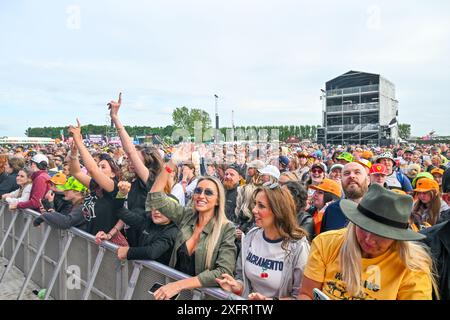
(261, 221)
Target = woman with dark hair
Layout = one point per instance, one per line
(24, 182)
(98, 207)
(279, 242)
(9, 167)
(427, 205)
(325, 193)
(300, 196)
(144, 164)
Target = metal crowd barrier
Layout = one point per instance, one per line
(71, 266)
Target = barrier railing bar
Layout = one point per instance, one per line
(90, 283)
(62, 283)
(16, 250)
(133, 280)
(2, 210)
(177, 275)
(35, 262)
(58, 266)
(8, 231)
(152, 265)
(121, 268)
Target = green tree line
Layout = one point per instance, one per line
(300, 132)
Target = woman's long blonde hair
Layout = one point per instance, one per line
(414, 256)
(220, 220)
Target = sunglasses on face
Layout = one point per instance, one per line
(208, 192)
(316, 171)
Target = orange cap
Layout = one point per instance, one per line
(426, 184)
(59, 179)
(330, 186)
(437, 171)
(366, 154)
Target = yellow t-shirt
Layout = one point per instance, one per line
(384, 277)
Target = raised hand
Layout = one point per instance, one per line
(75, 131)
(124, 187)
(114, 106)
(73, 149)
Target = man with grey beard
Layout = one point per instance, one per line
(355, 183)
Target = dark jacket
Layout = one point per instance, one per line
(8, 183)
(155, 241)
(306, 222)
(57, 220)
(61, 205)
(333, 218)
(230, 204)
(444, 216)
(438, 240)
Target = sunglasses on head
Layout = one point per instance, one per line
(208, 192)
(271, 186)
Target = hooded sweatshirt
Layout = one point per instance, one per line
(38, 190)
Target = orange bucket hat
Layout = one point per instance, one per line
(426, 184)
(330, 186)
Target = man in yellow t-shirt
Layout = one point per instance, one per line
(368, 253)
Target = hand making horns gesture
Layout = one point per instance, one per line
(114, 106)
(75, 131)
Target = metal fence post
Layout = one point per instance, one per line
(35, 262)
(58, 266)
(121, 271)
(62, 275)
(90, 282)
(133, 280)
(16, 250)
(8, 231)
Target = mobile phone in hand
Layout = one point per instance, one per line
(156, 286)
(47, 204)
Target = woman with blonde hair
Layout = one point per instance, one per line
(375, 257)
(274, 254)
(205, 247)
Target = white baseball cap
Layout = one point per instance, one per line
(39, 157)
(271, 171)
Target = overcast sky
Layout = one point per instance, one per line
(266, 60)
